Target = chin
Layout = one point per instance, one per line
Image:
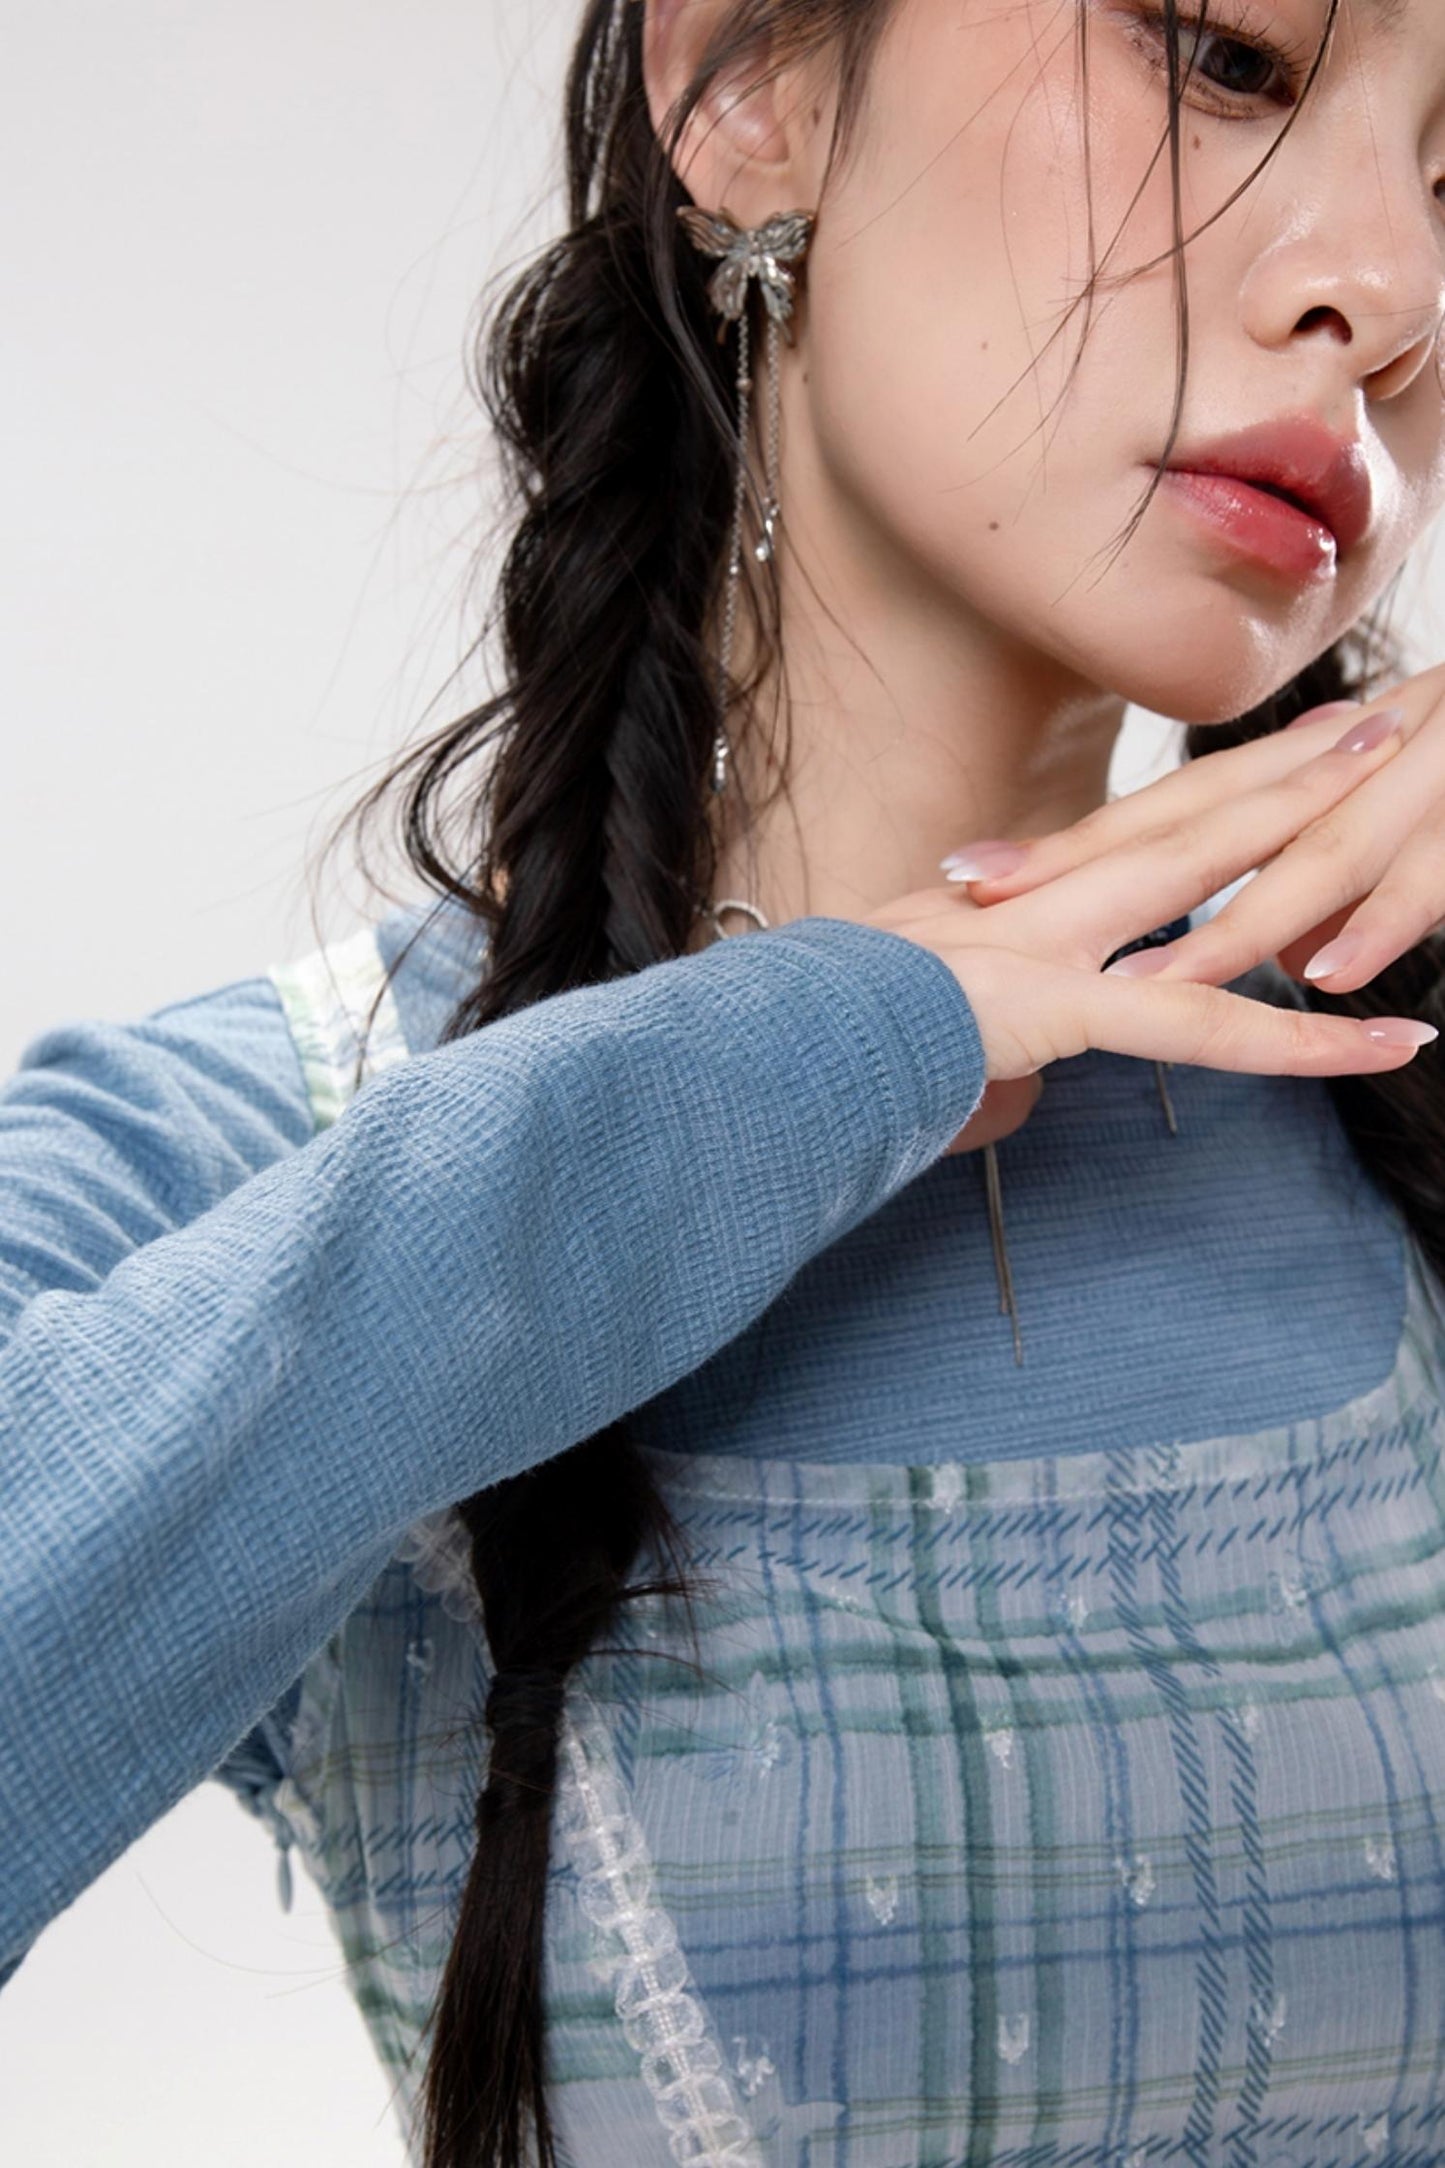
(1210, 657)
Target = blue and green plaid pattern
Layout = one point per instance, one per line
(1079, 1809)
(1082, 1808)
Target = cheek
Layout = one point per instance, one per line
(912, 352)
(925, 372)
(934, 438)
(944, 354)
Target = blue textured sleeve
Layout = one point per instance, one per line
(111, 1135)
(238, 1361)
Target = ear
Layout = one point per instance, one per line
(751, 145)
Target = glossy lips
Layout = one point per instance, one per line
(1290, 494)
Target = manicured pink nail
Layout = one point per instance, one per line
(983, 861)
(1400, 1031)
(1336, 955)
(1321, 714)
(1140, 962)
(1365, 736)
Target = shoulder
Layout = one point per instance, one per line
(112, 1134)
(276, 1038)
(222, 1061)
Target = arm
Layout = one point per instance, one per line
(212, 1446)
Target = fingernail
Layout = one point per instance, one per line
(1373, 731)
(1400, 1031)
(1140, 962)
(1336, 955)
(983, 861)
(1322, 714)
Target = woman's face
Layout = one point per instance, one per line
(947, 416)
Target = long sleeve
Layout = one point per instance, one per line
(239, 1360)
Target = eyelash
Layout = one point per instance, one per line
(1292, 60)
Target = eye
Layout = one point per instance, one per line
(1231, 65)
(1228, 66)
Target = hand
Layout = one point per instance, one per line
(1031, 960)
(1364, 881)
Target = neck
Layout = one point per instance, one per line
(911, 725)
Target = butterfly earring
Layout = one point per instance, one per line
(764, 253)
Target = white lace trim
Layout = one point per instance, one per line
(438, 1551)
(682, 2065)
(681, 2061)
(329, 998)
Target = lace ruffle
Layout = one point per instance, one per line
(439, 1553)
(681, 2064)
(343, 1019)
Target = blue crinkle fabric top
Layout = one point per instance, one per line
(1064, 1776)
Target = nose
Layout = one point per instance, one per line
(1361, 269)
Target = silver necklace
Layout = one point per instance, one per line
(993, 1187)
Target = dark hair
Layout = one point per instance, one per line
(581, 845)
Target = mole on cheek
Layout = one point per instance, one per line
(993, 526)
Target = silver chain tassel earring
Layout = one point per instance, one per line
(1007, 1300)
(763, 253)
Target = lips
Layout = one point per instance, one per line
(1300, 461)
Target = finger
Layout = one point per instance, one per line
(1292, 956)
(1205, 1027)
(1170, 868)
(1405, 908)
(996, 868)
(1339, 861)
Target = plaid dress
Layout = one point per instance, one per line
(1082, 1808)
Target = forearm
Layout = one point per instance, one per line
(501, 1247)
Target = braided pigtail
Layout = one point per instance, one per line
(611, 408)
(550, 1554)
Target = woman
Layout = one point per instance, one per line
(745, 1697)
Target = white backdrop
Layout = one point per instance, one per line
(241, 247)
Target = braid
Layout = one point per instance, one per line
(595, 846)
